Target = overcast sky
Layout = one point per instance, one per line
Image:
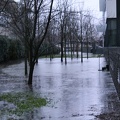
(92, 5)
(88, 4)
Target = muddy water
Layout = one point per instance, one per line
(76, 91)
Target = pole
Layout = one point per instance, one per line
(99, 63)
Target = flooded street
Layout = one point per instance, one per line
(76, 91)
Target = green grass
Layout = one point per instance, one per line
(24, 102)
(74, 56)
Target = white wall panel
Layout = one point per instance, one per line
(102, 5)
(111, 8)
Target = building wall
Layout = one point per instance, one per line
(112, 34)
(112, 56)
(118, 22)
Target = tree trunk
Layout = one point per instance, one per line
(71, 50)
(30, 80)
(26, 72)
(51, 57)
(62, 51)
(61, 43)
(65, 39)
(65, 50)
(87, 47)
(81, 51)
(31, 63)
(77, 49)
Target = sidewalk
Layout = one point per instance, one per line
(76, 91)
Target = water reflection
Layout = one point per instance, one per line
(76, 91)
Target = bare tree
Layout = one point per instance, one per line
(3, 5)
(72, 24)
(63, 20)
(79, 35)
(30, 20)
(87, 29)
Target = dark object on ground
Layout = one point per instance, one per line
(105, 68)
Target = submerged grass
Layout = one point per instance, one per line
(23, 102)
(74, 56)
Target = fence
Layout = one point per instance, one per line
(112, 55)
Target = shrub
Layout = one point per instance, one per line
(48, 49)
(10, 49)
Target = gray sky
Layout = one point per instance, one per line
(92, 5)
(88, 4)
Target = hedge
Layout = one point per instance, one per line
(10, 49)
(14, 49)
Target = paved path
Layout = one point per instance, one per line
(76, 91)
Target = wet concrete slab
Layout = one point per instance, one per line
(76, 91)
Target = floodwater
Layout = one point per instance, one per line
(76, 91)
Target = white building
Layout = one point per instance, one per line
(110, 7)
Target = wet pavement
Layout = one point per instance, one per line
(76, 91)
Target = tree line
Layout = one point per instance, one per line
(37, 23)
